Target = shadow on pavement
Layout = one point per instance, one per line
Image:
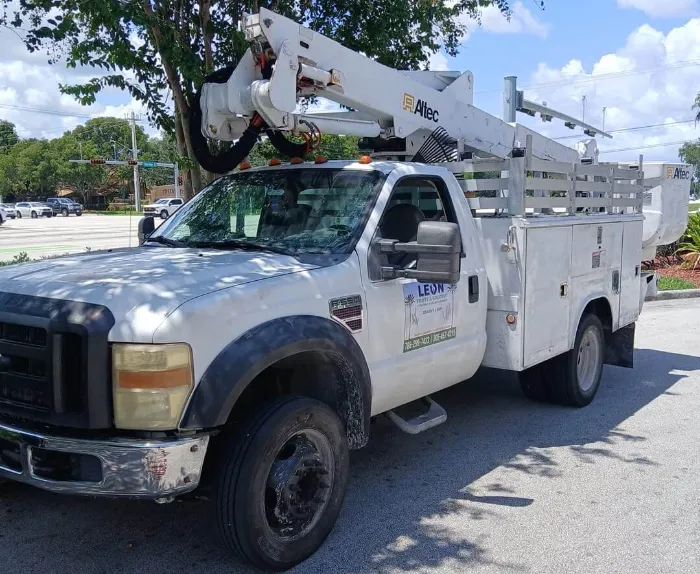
(400, 488)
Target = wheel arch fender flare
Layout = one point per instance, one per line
(599, 297)
(246, 357)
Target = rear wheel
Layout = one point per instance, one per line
(534, 385)
(574, 378)
(282, 482)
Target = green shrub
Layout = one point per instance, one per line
(689, 248)
(19, 258)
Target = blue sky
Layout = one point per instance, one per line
(572, 46)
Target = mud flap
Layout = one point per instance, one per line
(619, 349)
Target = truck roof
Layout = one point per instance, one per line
(385, 167)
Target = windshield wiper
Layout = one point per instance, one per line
(240, 244)
(165, 241)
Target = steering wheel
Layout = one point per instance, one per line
(341, 229)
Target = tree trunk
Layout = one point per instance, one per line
(187, 191)
(178, 98)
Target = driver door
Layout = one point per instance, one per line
(415, 329)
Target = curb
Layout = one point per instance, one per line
(671, 295)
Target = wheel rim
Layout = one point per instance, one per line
(589, 355)
(298, 485)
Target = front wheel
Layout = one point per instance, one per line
(282, 483)
(34, 215)
(164, 214)
(64, 212)
(19, 215)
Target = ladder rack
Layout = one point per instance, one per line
(526, 186)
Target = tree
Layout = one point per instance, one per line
(690, 153)
(8, 135)
(151, 47)
(696, 106)
(332, 147)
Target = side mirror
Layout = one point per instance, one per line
(438, 250)
(146, 227)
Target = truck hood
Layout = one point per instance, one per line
(142, 286)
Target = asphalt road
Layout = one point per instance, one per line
(61, 235)
(504, 486)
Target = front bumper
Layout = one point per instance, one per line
(117, 467)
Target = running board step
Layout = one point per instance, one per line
(434, 416)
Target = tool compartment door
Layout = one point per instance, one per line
(547, 269)
(631, 274)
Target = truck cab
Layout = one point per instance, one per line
(64, 206)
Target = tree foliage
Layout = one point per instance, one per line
(157, 48)
(8, 135)
(34, 169)
(690, 153)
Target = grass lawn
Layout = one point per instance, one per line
(693, 206)
(674, 284)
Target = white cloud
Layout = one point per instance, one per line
(662, 8)
(438, 62)
(522, 21)
(28, 82)
(663, 93)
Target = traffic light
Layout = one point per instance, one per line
(179, 181)
(132, 162)
(97, 161)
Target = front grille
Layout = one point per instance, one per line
(45, 375)
(23, 334)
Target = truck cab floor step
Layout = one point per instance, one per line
(434, 415)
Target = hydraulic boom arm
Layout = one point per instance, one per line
(286, 62)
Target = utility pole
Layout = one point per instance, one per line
(605, 109)
(135, 157)
(176, 171)
(584, 101)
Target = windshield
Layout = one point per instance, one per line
(295, 211)
(161, 201)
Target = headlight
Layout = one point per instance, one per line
(151, 384)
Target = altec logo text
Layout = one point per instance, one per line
(410, 104)
(677, 173)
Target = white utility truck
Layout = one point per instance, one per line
(249, 340)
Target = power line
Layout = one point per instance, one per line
(596, 78)
(635, 128)
(667, 144)
(51, 112)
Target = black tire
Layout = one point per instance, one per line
(19, 215)
(164, 214)
(64, 212)
(34, 215)
(562, 373)
(248, 508)
(534, 385)
(79, 214)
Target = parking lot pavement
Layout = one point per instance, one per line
(60, 235)
(504, 485)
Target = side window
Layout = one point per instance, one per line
(176, 202)
(413, 200)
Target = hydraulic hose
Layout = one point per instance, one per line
(227, 161)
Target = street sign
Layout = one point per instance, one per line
(150, 164)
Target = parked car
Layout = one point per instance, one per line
(33, 209)
(9, 209)
(64, 206)
(3, 215)
(164, 207)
